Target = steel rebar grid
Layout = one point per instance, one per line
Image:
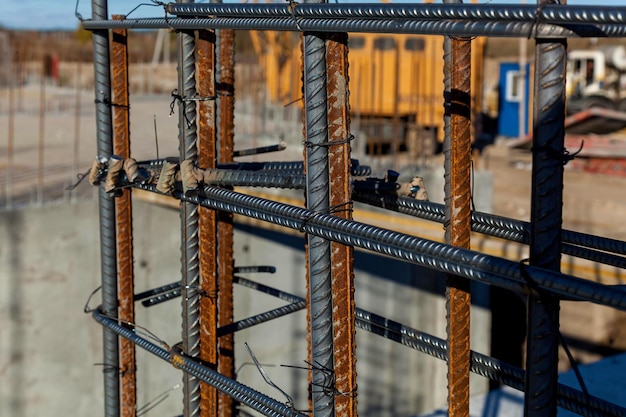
(423, 27)
(341, 256)
(457, 153)
(246, 395)
(457, 11)
(318, 257)
(226, 113)
(126, 285)
(190, 268)
(207, 218)
(568, 398)
(514, 276)
(108, 256)
(546, 213)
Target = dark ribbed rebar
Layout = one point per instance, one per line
(226, 122)
(108, 252)
(512, 12)
(207, 218)
(317, 200)
(342, 256)
(424, 27)
(260, 318)
(246, 395)
(542, 341)
(457, 142)
(190, 269)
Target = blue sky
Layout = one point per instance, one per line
(59, 14)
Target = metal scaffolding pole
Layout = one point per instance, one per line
(545, 225)
(108, 258)
(207, 218)
(317, 200)
(190, 268)
(119, 60)
(457, 142)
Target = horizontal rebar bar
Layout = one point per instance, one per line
(504, 12)
(246, 395)
(424, 27)
(484, 365)
(261, 318)
(505, 228)
(492, 270)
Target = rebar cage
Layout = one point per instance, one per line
(205, 100)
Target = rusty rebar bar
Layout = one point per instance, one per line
(126, 309)
(226, 115)
(546, 215)
(342, 260)
(457, 71)
(207, 218)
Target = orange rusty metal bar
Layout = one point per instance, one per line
(342, 260)
(207, 218)
(458, 213)
(124, 226)
(226, 91)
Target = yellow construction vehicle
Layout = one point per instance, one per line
(395, 83)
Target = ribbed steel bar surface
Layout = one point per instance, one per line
(503, 12)
(318, 200)
(546, 219)
(124, 220)
(424, 27)
(225, 83)
(457, 154)
(342, 256)
(108, 245)
(190, 266)
(207, 218)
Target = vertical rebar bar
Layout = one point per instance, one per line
(342, 259)
(317, 198)
(126, 283)
(546, 222)
(42, 135)
(457, 142)
(226, 115)
(207, 218)
(108, 258)
(190, 268)
(10, 133)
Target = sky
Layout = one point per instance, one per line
(59, 14)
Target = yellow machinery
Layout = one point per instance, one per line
(396, 84)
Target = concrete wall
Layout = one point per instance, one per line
(49, 264)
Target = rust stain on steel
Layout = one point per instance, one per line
(342, 259)
(458, 295)
(207, 218)
(126, 313)
(226, 91)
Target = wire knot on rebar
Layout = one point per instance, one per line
(309, 144)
